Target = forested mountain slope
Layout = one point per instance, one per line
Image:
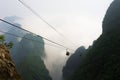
(103, 59)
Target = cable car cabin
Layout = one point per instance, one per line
(67, 53)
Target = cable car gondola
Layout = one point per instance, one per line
(67, 52)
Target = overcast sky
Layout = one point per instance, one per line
(80, 21)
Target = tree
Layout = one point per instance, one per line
(2, 39)
(8, 45)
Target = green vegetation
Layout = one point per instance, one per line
(2, 39)
(2, 42)
(9, 45)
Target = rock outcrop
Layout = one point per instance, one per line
(7, 67)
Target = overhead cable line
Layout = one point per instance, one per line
(19, 36)
(26, 38)
(35, 13)
(34, 33)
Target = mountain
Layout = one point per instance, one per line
(102, 61)
(29, 58)
(27, 52)
(72, 63)
(111, 20)
(5, 27)
(12, 34)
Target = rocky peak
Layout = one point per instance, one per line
(112, 18)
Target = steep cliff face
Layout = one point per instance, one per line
(29, 60)
(7, 67)
(72, 64)
(103, 59)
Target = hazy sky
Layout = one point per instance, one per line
(80, 21)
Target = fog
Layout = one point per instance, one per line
(79, 21)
